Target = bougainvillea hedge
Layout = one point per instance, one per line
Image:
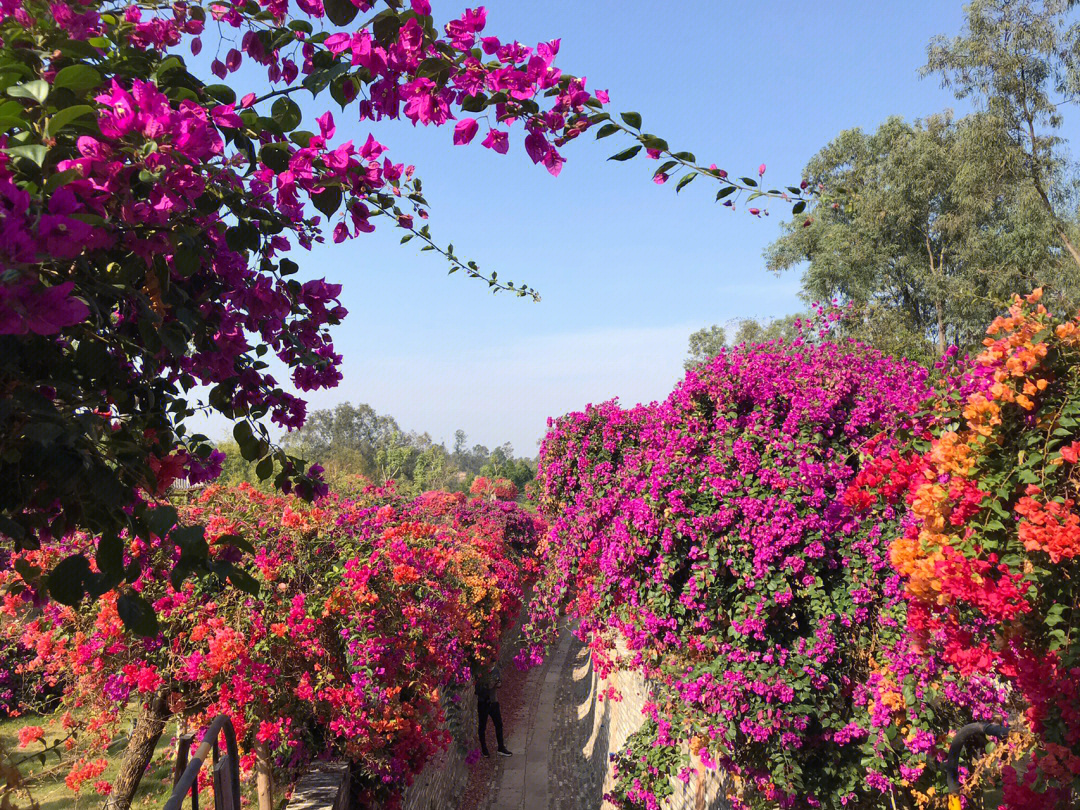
(825, 562)
(990, 551)
(368, 610)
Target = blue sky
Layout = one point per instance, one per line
(627, 269)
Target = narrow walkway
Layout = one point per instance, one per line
(522, 782)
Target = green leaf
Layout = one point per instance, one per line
(33, 151)
(340, 12)
(726, 191)
(605, 130)
(161, 520)
(8, 122)
(25, 570)
(652, 142)
(750, 181)
(386, 27)
(79, 79)
(37, 90)
(66, 116)
(191, 541)
(475, 103)
(276, 156)
(221, 93)
(328, 200)
(171, 63)
(244, 581)
(61, 178)
(632, 119)
(242, 433)
(67, 581)
(244, 236)
(287, 267)
(337, 90)
(798, 207)
(626, 154)
(187, 260)
(686, 180)
(236, 540)
(286, 113)
(110, 554)
(265, 468)
(432, 68)
(137, 614)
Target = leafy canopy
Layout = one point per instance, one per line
(150, 208)
(938, 230)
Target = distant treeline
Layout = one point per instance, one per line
(354, 440)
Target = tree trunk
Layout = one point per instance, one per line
(1064, 237)
(264, 779)
(938, 271)
(1036, 177)
(139, 752)
(940, 329)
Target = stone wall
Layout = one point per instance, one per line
(588, 728)
(442, 783)
(603, 724)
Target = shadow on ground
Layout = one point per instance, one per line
(580, 739)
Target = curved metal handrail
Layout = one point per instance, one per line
(952, 767)
(226, 769)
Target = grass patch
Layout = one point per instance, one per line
(46, 781)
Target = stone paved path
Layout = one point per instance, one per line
(577, 765)
(522, 781)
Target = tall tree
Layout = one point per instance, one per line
(347, 436)
(705, 344)
(752, 330)
(1021, 59)
(936, 231)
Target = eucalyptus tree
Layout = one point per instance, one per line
(936, 229)
(1020, 60)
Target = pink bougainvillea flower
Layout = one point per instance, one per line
(465, 131)
(224, 115)
(499, 141)
(31, 307)
(28, 735)
(326, 125)
(119, 118)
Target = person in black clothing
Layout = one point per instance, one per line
(488, 681)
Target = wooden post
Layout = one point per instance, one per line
(264, 778)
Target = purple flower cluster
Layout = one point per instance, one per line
(705, 542)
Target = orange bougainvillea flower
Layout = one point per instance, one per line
(1071, 453)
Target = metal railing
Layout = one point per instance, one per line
(225, 769)
(952, 766)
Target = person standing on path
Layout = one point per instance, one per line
(488, 681)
